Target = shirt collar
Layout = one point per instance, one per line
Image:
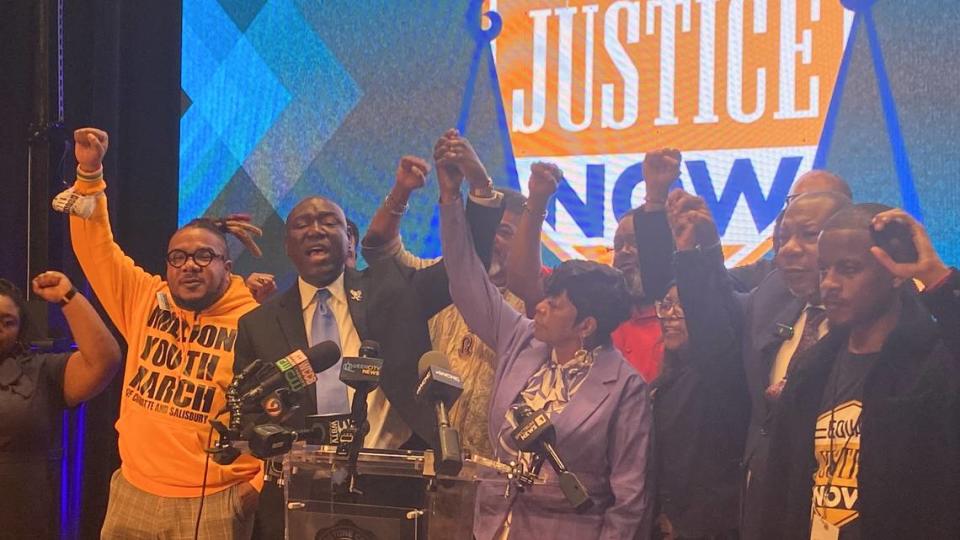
(308, 292)
(575, 363)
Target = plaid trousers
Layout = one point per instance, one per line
(133, 514)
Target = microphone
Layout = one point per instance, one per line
(535, 433)
(267, 441)
(362, 374)
(280, 404)
(296, 370)
(440, 386)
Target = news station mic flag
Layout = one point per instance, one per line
(440, 386)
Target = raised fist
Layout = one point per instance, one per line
(91, 145)
(544, 179)
(660, 169)
(51, 286)
(261, 286)
(412, 173)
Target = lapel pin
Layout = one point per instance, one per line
(356, 295)
(784, 331)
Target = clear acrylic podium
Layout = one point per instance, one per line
(402, 496)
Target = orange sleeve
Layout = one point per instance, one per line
(120, 285)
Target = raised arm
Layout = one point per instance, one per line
(524, 261)
(115, 278)
(89, 370)
(712, 312)
(479, 301)
(456, 160)
(655, 248)
(382, 240)
(384, 228)
(941, 294)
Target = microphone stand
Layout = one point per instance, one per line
(361, 428)
(224, 452)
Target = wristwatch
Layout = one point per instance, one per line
(68, 297)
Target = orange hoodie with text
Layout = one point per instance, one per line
(177, 369)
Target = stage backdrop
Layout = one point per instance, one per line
(286, 98)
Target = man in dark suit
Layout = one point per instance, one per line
(386, 302)
(780, 318)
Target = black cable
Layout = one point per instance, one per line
(203, 486)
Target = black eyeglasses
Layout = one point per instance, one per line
(668, 310)
(201, 257)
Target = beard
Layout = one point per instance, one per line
(634, 283)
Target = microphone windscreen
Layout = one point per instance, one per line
(522, 412)
(432, 358)
(370, 349)
(323, 355)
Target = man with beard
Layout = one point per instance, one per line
(386, 302)
(472, 360)
(642, 248)
(875, 404)
(180, 333)
(652, 234)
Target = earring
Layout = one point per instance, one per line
(581, 352)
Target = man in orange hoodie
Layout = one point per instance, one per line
(180, 333)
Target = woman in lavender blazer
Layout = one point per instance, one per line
(561, 362)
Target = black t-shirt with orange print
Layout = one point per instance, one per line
(837, 444)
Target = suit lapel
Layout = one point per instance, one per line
(515, 380)
(771, 337)
(357, 300)
(592, 394)
(290, 320)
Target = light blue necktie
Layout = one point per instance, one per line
(331, 393)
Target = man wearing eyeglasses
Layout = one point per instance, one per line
(181, 333)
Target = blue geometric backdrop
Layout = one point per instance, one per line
(285, 98)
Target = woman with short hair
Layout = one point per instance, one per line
(34, 390)
(560, 362)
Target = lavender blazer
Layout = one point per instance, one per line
(603, 434)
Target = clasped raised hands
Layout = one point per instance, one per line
(691, 221)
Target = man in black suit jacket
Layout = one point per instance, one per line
(387, 303)
(768, 315)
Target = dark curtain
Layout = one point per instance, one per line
(121, 73)
(122, 67)
(17, 37)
